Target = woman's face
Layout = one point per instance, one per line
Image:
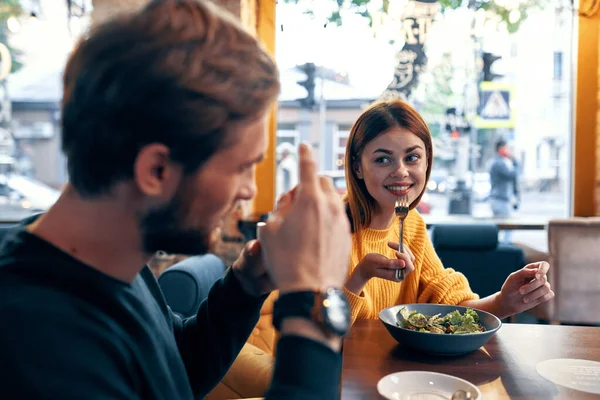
(393, 164)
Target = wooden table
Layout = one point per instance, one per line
(505, 368)
(520, 224)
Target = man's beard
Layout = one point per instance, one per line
(163, 228)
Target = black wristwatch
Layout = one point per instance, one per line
(328, 308)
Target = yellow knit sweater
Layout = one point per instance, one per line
(429, 283)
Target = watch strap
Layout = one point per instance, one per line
(293, 304)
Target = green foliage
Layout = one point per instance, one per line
(10, 8)
(498, 8)
(360, 7)
(438, 91)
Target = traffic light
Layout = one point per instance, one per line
(488, 60)
(456, 124)
(450, 119)
(309, 84)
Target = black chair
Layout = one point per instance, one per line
(473, 249)
(187, 283)
(4, 229)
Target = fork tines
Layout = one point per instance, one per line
(401, 206)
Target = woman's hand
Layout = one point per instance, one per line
(375, 265)
(525, 289)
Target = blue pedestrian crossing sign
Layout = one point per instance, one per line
(495, 106)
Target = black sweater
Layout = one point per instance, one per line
(69, 331)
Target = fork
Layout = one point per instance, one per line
(462, 395)
(401, 208)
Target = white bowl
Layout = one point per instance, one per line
(423, 385)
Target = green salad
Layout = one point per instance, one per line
(451, 323)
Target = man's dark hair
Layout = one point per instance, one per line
(500, 143)
(178, 72)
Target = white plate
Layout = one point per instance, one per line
(582, 375)
(422, 385)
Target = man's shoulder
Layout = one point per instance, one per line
(39, 306)
(42, 296)
(51, 340)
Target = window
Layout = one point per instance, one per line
(340, 139)
(32, 166)
(287, 136)
(558, 65)
(527, 96)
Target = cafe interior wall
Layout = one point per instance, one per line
(597, 124)
(586, 151)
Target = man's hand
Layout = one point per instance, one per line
(306, 241)
(250, 270)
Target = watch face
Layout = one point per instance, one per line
(336, 312)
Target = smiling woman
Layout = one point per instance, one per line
(389, 149)
(393, 165)
(389, 154)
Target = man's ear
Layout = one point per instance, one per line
(154, 173)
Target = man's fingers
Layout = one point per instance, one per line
(264, 281)
(284, 204)
(252, 248)
(284, 198)
(308, 167)
(327, 185)
(336, 204)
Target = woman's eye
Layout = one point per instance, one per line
(383, 160)
(413, 158)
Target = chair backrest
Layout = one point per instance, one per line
(473, 250)
(574, 246)
(187, 283)
(474, 237)
(4, 229)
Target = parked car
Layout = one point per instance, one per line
(27, 192)
(339, 181)
(437, 181)
(478, 182)
(424, 206)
